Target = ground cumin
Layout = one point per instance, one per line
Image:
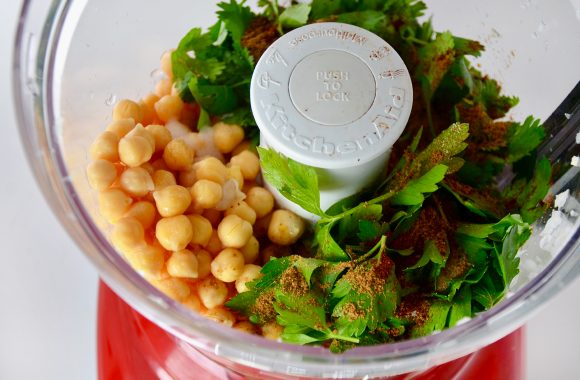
(264, 306)
(293, 282)
(259, 35)
(414, 309)
(429, 226)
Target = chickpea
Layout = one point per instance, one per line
(145, 212)
(121, 127)
(192, 302)
(174, 233)
(234, 231)
(139, 130)
(214, 216)
(228, 265)
(113, 203)
(206, 193)
(178, 155)
(127, 234)
(126, 108)
(166, 63)
(148, 166)
(163, 87)
(105, 147)
(214, 245)
(272, 330)
(147, 105)
(136, 182)
(203, 263)
(169, 107)
(249, 273)
(244, 145)
(246, 327)
(147, 260)
(251, 250)
(187, 178)
(161, 136)
(261, 200)
(221, 315)
(159, 164)
(182, 264)
(173, 287)
(101, 174)
(249, 164)
(235, 172)
(163, 178)
(172, 200)
(202, 230)
(135, 150)
(227, 136)
(285, 227)
(242, 210)
(212, 169)
(212, 292)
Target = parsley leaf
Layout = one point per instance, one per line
(295, 15)
(360, 306)
(413, 193)
(524, 138)
(295, 181)
(236, 18)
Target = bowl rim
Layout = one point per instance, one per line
(37, 123)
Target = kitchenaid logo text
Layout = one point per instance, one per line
(278, 119)
(343, 35)
(332, 86)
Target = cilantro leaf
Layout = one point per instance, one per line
(295, 15)
(295, 181)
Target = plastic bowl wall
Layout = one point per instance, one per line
(73, 59)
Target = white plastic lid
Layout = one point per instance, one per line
(331, 95)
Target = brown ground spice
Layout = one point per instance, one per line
(293, 282)
(259, 35)
(414, 308)
(456, 266)
(264, 306)
(429, 226)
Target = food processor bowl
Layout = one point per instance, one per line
(75, 58)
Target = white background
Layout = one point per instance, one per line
(48, 288)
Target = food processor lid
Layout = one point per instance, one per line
(331, 95)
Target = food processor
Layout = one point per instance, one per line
(74, 59)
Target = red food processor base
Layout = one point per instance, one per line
(129, 346)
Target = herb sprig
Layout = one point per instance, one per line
(433, 243)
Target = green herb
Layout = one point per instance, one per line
(454, 265)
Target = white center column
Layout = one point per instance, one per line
(335, 97)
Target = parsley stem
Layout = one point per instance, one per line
(342, 337)
(380, 198)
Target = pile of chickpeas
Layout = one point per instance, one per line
(187, 207)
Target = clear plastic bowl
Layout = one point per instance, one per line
(73, 59)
